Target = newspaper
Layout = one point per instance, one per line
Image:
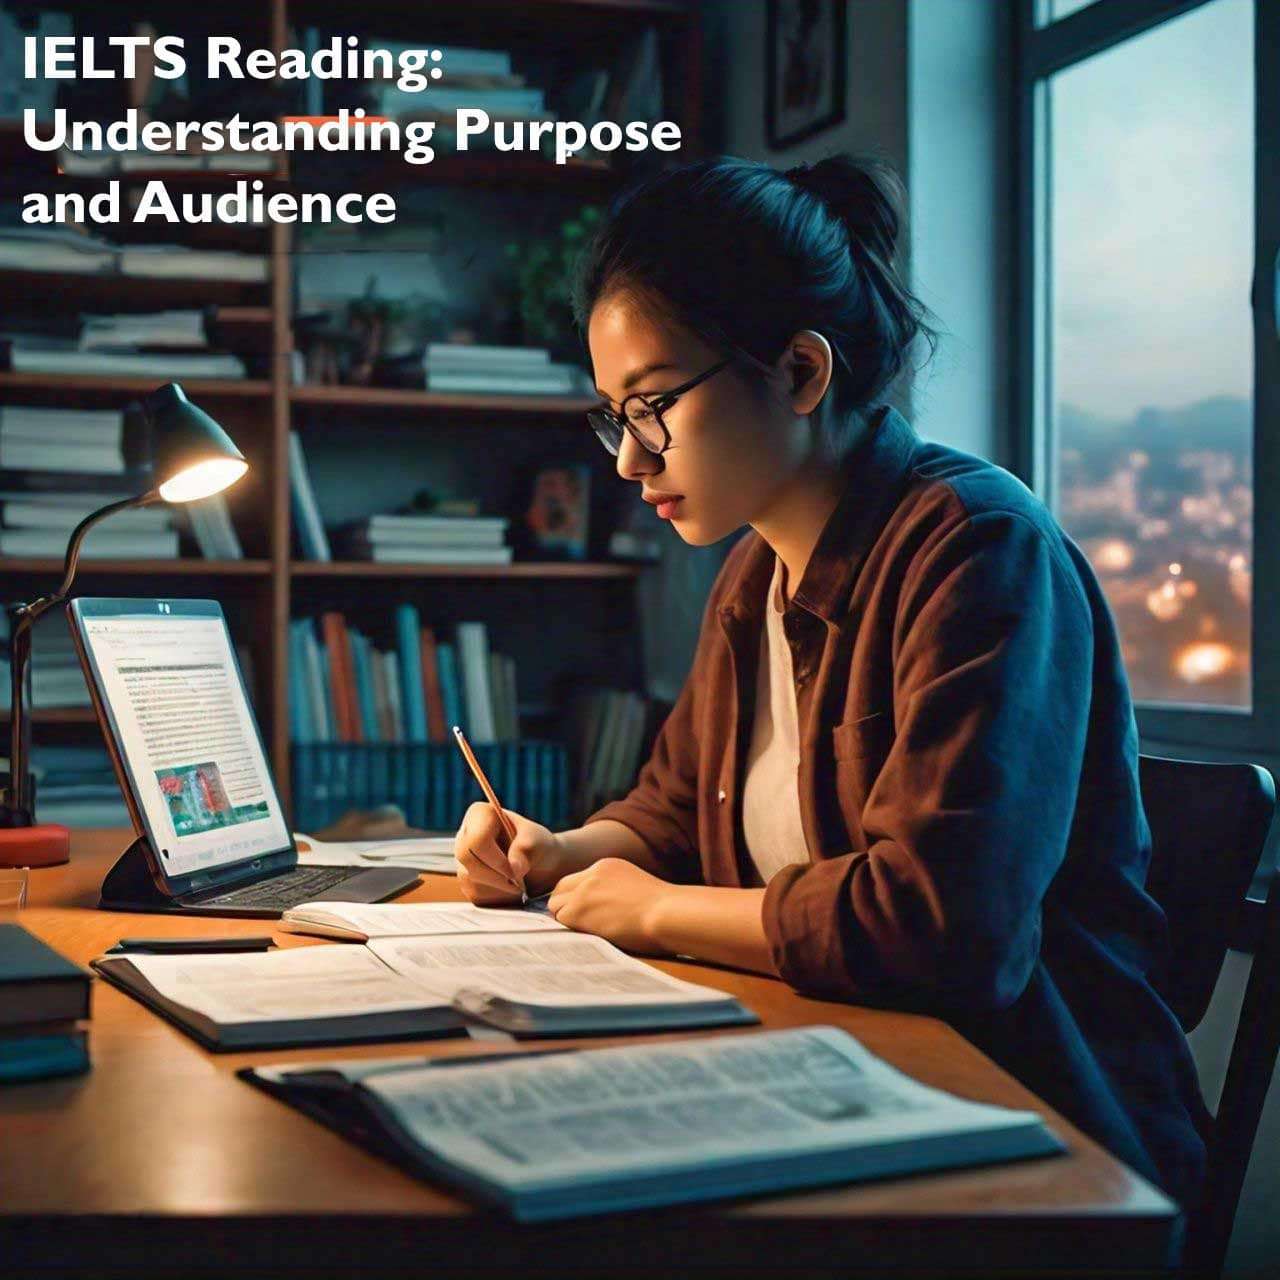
(541, 1123)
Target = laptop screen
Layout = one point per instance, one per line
(182, 723)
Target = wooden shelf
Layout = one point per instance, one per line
(408, 398)
(73, 384)
(185, 568)
(111, 291)
(521, 569)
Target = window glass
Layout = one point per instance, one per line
(1151, 343)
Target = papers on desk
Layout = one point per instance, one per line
(542, 980)
(360, 921)
(419, 853)
(582, 1132)
(304, 995)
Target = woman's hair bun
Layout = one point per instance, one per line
(865, 194)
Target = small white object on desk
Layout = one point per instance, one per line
(418, 853)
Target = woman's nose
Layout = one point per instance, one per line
(635, 461)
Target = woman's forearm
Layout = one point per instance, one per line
(706, 922)
(606, 839)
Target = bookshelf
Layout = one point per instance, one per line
(263, 592)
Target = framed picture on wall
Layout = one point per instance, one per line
(805, 56)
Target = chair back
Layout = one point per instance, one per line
(1209, 823)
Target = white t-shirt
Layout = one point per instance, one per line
(771, 794)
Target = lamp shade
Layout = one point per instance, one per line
(192, 457)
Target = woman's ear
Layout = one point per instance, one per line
(806, 363)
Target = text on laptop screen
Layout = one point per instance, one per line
(187, 734)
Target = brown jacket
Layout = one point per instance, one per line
(968, 789)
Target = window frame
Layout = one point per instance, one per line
(1040, 52)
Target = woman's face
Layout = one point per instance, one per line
(734, 445)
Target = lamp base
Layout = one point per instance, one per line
(46, 845)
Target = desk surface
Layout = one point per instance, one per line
(160, 1158)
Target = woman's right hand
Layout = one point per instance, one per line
(491, 873)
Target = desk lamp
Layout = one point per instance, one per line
(192, 458)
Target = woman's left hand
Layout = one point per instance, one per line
(612, 898)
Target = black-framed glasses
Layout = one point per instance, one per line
(641, 415)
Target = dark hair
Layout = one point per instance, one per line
(745, 256)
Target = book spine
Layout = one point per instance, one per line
(473, 654)
(366, 706)
(450, 689)
(408, 635)
(306, 512)
(341, 676)
(437, 728)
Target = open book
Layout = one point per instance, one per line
(549, 981)
(579, 1132)
(362, 922)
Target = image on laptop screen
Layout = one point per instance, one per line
(173, 692)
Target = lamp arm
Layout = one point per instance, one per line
(22, 618)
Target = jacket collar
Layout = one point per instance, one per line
(876, 472)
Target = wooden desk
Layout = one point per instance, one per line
(159, 1161)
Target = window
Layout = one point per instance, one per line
(1148, 361)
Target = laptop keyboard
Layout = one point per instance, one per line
(283, 891)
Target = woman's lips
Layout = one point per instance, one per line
(667, 507)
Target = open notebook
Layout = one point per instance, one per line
(543, 980)
(564, 1134)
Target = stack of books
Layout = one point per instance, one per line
(482, 79)
(77, 441)
(610, 730)
(57, 680)
(426, 539)
(43, 999)
(182, 262)
(492, 370)
(59, 249)
(39, 524)
(343, 689)
(77, 787)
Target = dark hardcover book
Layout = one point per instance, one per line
(39, 1051)
(36, 983)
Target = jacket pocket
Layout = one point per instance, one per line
(868, 736)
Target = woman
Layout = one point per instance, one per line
(904, 767)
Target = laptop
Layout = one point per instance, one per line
(169, 695)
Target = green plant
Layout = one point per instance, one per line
(544, 280)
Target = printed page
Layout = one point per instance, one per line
(674, 1104)
(282, 986)
(415, 919)
(561, 970)
(422, 853)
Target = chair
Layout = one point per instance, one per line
(1209, 823)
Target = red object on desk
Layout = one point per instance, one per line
(45, 845)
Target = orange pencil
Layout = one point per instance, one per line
(486, 786)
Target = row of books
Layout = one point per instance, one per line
(609, 729)
(62, 249)
(497, 370)
(343, 689)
